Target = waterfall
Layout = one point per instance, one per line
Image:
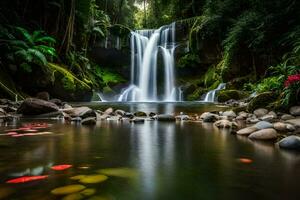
(211, 95)
(145, 47)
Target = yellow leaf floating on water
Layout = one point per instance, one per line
(122, 172)
(78, 177)
(88, 192)
(90, 179)
(69, 189)
(101, 198)
(76, 196)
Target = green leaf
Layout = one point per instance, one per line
(38, 57)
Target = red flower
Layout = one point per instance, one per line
(292, 79)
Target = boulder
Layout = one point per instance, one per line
(279, 126)
(225, 124)
(182, 117)
(264, 134)
(166, 118)
(287, 117)
(43, 95)
(260, 112)
(261, 100)
(295, 122)
(229, 114)
(152, 114)
(89, 121)
(140, 114)
(268, 118)
(33, 106)
(273, 113)
(128, 115)
(263, 125)
(120, 112)
(82, 112)
(291, 142)
(295, 110)
(247, 131)
(209, 117)
(109, 111)
(57, 102)
(290, 127)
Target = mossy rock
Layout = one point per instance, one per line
(196, 95)
(225, 95)
(261, 101)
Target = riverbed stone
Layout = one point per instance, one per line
(225, 124)
(291, 142)
(230, 114)
(268, 118)
(295, 122)
(260, 112)
(166, 118)
(33, 106)
(247, 131)
(280, 126)
(140, 114)
(287, 117)
(290, 127)
(264, 134)
(261, 101)
(263, 125)
(137, 120)
(128, 115)
(183, 117)
(209, 117)
(82, 112)
(89, 121)
(295, 110)
(43, 95)
(58, 102)
(109, 111)
(120, 112)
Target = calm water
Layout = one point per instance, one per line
(173, 161)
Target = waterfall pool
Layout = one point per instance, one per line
(152, 160)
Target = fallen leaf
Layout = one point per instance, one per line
(61, 167)
(25, 179)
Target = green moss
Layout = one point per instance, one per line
(261, 101)
(196, 95)
(225, 95)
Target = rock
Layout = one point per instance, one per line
(252, 120)
(290, 128)
(109, 111)
(182, 117)
(89, 121)
(295, 110)
(2, 112)
(279, 126)
(43, 96)
(273, 113)
(229, 114)
(166, 118)
(120, 112)
(32, 106)
(295, 122)
(58, 102)
(225, 124)
(69, 189)
(291, 142)
(128, 115)
(268, 118)
(209, 117)
(140, 114)
(260, 112)
(240, 118)
(137, 120)
(226, 95)
(152, 114)
(264, 134)
(263, 125)
(243, 114)
(83, 112)
(247, 131)
(261, 100)
(67, 106)
(287, 117)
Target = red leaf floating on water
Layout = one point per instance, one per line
(61, 167)
(25, 179)
(245, 160)
(11, 133)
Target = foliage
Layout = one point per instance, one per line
(189, 60)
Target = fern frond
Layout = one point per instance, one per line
(23, 55)
(27, 36)
(50, 51)
(45, 39)
(38, 57)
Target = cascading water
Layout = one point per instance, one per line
(145, 45)
(211, 95)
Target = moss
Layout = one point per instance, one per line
(225, 95)
(196, 95)
(261, 101)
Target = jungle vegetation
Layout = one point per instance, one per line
(251, 43)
